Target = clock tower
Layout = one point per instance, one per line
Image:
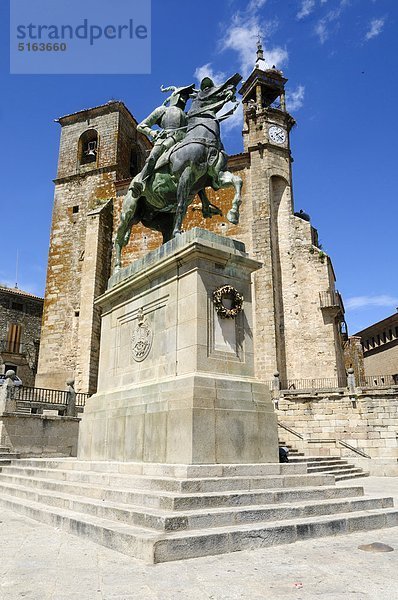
(295, 334)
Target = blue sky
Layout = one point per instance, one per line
(340, 58)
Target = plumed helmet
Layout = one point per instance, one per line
(206, 83)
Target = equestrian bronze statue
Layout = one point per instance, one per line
(187, 156)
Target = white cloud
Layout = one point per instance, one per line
(241, 36)
(207, 71)
(295, 98)
(369, 301)
(321, 31)
(307, 7)
(255, 5)
(330, 20)
(375, 28)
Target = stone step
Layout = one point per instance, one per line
(325, 466)
(179, 546)
(330, 468)
(8, 455)
(314, 459)
(155, 547)
(162, 520)
(133, 541)
(4, 449)
(351, 475)
(192, 485)
(350, 469)
(163, 470)
(172, 501)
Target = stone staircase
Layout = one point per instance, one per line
(6, 456)
(160, 513)
(330, 465)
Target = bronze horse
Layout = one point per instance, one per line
(186, 169)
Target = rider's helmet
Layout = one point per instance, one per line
(206, 83)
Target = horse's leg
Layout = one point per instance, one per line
(124, 229)
(185, 183)
(228, 179)
(208, 209)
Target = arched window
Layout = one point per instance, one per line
(88, 147)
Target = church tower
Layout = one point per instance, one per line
(298, 311)
(99, 146)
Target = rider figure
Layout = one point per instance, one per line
(172, 121)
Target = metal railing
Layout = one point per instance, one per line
(313, 384)
(371, 381)
(328, 441)
(290, 430)
(332, 383)
(353, 449)
(48, 396)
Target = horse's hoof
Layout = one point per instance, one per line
(233, 217)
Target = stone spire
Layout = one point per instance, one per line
(260, 62)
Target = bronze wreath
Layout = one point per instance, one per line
(237, 302)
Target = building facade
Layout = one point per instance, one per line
(298, 310)
(20, 324)
(380, 348)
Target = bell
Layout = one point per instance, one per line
(91, 149)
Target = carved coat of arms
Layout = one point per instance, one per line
(141, 340)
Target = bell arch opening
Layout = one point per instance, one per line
(88, 147)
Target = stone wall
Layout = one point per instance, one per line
(383, 360)
(321, 424)
(22, 358)
(380, 347)
(39, 435)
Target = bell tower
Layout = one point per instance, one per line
(266, 120)
(296, 336)
(99, 146)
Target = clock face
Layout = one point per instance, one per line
(277, 134)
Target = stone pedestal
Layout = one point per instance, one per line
(176, 381)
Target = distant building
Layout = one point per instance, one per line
(20, 324)
(380, 347)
